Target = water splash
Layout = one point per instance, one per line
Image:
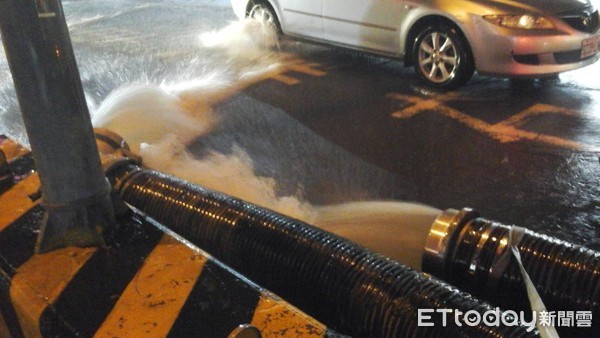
(246, 40)
(160, 107)
(397, 230)
(183, 105)
(231, 174)
(145, 114)
(160, 121)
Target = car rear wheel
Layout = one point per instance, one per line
(442, 57)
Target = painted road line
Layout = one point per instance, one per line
(149, 282)
(276, 318)
(499, 131)
(16, 201)
(290, 63)
(7, 311)
(226, 299)
(4, 332)
(19, 218)
(17, 241)
(39, 282)
(92, 293)
(12, 149)
(288, 80)
(158, 291)
(301, 66)
(536, 110)
(67, 292)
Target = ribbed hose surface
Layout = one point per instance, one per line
(350, 289)
(566, 276)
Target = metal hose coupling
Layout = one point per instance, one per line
(473, 254)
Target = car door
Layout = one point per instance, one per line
(368, 24)
(302, 18)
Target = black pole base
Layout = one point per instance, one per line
(80, 224)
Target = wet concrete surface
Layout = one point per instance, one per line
(336, 126)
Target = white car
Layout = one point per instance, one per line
(447, 40)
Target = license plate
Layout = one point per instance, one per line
(589, 46)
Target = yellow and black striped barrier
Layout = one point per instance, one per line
(148, 283)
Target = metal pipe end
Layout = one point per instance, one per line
(245, 331)
(441, 239)
(113, 148)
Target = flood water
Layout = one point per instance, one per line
(176, 129)
(165, 104)
(181, 88)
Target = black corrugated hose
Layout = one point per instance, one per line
(347, 287)
(566, 276)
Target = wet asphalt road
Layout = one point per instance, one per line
(345, 126)
(519, 152)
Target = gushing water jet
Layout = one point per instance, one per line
(397, 230)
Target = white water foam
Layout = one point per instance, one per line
(397, 230)
(146, 113)
(246, 39)
(159, 121)
(231, 174)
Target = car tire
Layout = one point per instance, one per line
(442, 57)
(264, 13)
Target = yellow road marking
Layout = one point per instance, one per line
(291, 63)
(152, 301)
(40, 281)
(504, 131)
(16, 202)
(288, 80)
(535, 110)
(306, 68)
(3, 327)
(12, 149)
(277, 318)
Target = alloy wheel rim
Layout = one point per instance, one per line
(438, 57)
(262, 15)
